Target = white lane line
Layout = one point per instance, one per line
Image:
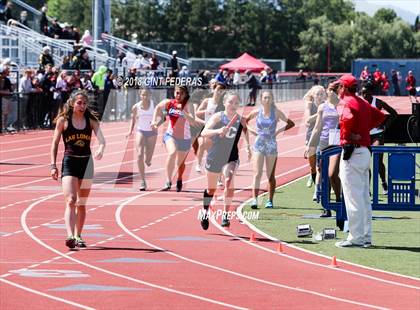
(260, 232)
(281, 139)
(167, 289)
(120, 223)
(46, 295)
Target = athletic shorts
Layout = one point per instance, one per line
(79, 167)
(183, 145)
(265, 146)
(149, 133)
(216, 165)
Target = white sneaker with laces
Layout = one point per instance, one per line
(346, 244)
(367, 245)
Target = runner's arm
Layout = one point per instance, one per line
(98, 132)
(59, 128)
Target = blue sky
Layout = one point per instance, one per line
(406, 9)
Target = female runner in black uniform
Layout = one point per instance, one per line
(224, 128)
(75, 123)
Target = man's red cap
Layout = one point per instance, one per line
(348, 80)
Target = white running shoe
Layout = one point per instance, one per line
(309, 182)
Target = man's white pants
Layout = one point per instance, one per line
(354, 175)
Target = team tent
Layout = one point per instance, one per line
(245, 62)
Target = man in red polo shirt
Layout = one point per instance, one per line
(357, 119)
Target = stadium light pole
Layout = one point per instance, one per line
(95, 11)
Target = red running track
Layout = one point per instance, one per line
(147, 250)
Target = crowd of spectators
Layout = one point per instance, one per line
(382, 84)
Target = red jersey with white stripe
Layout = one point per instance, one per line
(179, 127)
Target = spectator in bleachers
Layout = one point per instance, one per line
(184, 72)
(154, 62)
(81, 60)
(385, 85)
(62, 90)
(55, 30)
(411, 85)
(377, 81)
(221, 76)
(236, 78)
(364, 75)
(34, 104)
(267, 76)
(174, 64)
(98, 82)
(65, 63)
(87, 38)
(6, 91)
(86, 81)
(6, 14)
(98, 78)
(140, 63)
(315, 78)
(253, 86)
(76, 82)
(48, 83)
(109, 84)
(76, 34)
(67, 32)
(45, 58)
(395, 83)
(25, 88)
(23, 18)
(121, 55)
(43, 23)
(301, 76)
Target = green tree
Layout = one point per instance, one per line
(78, 13)
(314, 43)
(37, 4)
(203, 24)
(144, 18)
(385, 15)
(177, 13)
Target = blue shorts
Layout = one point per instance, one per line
(149, 133)
(183, 145)
(265, 146)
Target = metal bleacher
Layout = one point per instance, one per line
(24, 45)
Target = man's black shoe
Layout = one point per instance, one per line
(326, 213)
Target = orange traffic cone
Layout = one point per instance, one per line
(280, 248)
(252, 237)
(334, 262)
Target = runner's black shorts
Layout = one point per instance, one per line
(79, 167)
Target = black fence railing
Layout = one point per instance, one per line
(37, 110)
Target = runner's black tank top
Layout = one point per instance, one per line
(77, 141)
